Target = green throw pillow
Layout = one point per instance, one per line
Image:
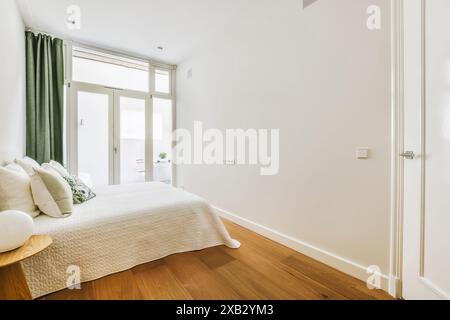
(81, 192)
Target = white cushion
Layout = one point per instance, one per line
(47, 166)
(16, 228)
(59, 168)
(51, 193)
(56, 166)
(15, 190)
(27, 164)
(16, 168)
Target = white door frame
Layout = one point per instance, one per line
(71, 136)
(397, 145)
(72, 124)
(118, 93)
(114, 95)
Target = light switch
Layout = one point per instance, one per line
(362, 153)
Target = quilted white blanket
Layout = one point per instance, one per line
(124, 226)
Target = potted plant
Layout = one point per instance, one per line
(162, 156)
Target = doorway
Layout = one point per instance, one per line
(112, 134)
(120, 117)
(426, 59)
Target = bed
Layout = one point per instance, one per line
(124, 226)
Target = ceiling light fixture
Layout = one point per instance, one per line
(160, 48)
(73, 20)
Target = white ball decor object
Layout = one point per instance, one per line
(16, 228)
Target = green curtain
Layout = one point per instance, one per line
(45, 97)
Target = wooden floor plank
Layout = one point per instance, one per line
(250, 284)
(260, 269)
(214, 257)
(119, 286)
(341, 284)
(259, 243)
(198, 279)
(299, 287)
(348, 286)
(13, 285)
(159, 283)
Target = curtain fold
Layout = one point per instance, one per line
(45, 97)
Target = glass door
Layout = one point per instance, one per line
(133, 149)
(162, 140)
(110, 135)
(92, 138)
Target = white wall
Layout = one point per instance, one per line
(323, 79)
(12, 82)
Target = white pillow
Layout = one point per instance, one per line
(59, 168)
(52, 194)
(16, 168)
(15, 190)
(27, 164)
(47, 166)
(56, 166)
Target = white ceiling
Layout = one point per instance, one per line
(135, 26)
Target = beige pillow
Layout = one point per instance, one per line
(56, 167)
(27, 164)
(52, 194)
(59, 168)
(15, 190)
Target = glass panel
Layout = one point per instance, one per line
(162, 81)
(107, 74)
(132, 140)
(93, 137)
(162, 140)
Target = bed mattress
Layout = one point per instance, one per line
(124, 226)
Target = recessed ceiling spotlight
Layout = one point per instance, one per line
(160, 48)
(73, 20)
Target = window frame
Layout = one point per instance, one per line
(153, 65)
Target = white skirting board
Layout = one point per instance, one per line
(344, 265)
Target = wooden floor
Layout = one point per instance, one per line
(260, 269)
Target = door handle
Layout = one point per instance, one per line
(408, 155)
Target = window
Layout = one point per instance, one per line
(93, 136)
(162, 140)
(162, 81)
(132, 140)
(109, 70)
(111, 117)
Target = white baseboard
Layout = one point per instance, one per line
(342, 264)
(395, 286)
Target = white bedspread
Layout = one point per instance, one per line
(124, 226)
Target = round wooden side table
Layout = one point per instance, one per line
(12, 280)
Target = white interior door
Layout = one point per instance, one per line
(110, 135)
(426, 240)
